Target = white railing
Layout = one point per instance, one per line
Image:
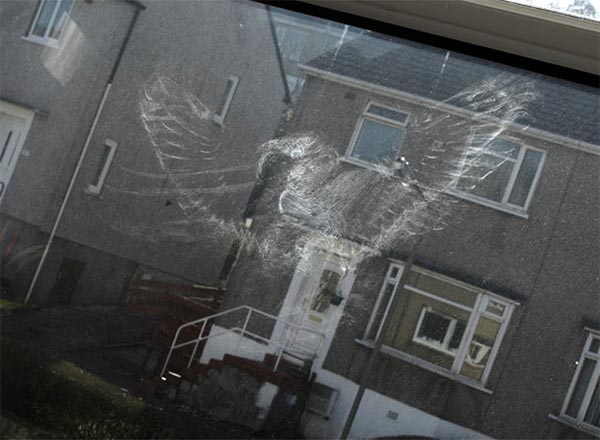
(281, 348)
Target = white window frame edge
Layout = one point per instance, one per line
(18, 111)
(476, 312)
(358, 126)
(46, 40)
(390, 93)
(594, 378)
(220, 119)
(447, 337)
(380, 297)
(504, 205)
(96, 189)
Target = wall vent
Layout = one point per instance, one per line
(322, 400)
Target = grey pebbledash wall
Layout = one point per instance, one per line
(144, 216)
(547, 262)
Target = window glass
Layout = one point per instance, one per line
(102, 164)
(592, 416)
(326, 291)
(378, 143)
(387, 113)
(61, 17)
(478, 352)
(210, 206)
(581, 386)
(444, 289)
(384, 300)
(430, 321)
(221, 109)
(524, 182)
(582, 402)
(45, 15)
(495, 308)
(595, 345)
(426, 328)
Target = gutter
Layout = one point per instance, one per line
(139, 7)
(287, 98)
(440, 105)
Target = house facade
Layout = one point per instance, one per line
(443, 205)
(492, 219)
(154, 129)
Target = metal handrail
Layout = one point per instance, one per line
(235, 330)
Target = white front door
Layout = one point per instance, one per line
(314, 302)
(13, 130)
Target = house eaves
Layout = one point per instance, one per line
(452, 109)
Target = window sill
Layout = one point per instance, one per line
(361, 163)
(427, 366)
(90, 191)
(52, 44)
(572, 423)
(518, 212)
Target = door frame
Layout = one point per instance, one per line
(21, 113)
(346, 250)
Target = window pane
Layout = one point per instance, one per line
(503, 147)
(387, 113)
(524, 180)
(102, 164)
(438, 287)
(594, 345)
(385, 299)
(480, 348)
(580, 387)
(326, 290)
(495, 308)
(378, 143)
(488, 178)
(43, 20)
(426, 328)
(593, 413)
(61, 17)
(223, 102)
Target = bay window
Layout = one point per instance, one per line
(440, 323)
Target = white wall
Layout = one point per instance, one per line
(234, 344)
(372, 418)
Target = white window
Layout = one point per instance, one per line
(223, 108)
(108, 153)
(501, 172)
(378, 136)
(440, 323)
(582, 404)
(49, 21)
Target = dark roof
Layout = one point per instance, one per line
(561, 107)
